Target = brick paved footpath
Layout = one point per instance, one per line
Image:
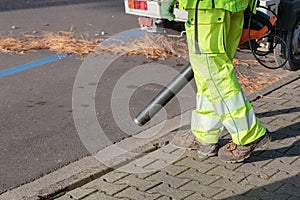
(177, 174)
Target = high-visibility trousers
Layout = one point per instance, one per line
(213, 36)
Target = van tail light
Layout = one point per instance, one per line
(138, 4)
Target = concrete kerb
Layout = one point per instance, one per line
(87, 169)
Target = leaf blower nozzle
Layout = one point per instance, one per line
(164, 96)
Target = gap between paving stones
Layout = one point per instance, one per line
(88, 169)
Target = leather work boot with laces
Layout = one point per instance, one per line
(188, 141)
(233, 153)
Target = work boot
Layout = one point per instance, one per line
(188, 141)
(233, 153)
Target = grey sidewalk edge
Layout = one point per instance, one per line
(87, 169)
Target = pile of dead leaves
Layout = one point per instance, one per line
(151, 46)
(252, 84)
(252, 80)
(60, 42)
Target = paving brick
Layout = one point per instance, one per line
(157, 165)
(144, 161)
(260, 104)
(287, 94)
(273, 186)
(267, 155)
(259, 182)
(166, 156)
(269, 120)
(281, 175)
(80, 193)
(259, 111)
(295, 127)
(65, 197)
(236, 188)
(133, 168)
(193, 174)
(293, 198)
(287, 132)
(290, 146)
(257, 160)
(145, 175)
(159, 159)
(271, 128)
(279, 147)
(289, 189)
(196, 196)
(133, 193)
(166, 190)
(291, 86)
(256, 168)
(162, 177)
(114, 176)
(164, 198)
(174, 170)
(285, 120)
(224, 194)
(242, 197)
(296, 118)
(140, 184)
(285, 164)
(216, 161)
(101, 196)
(194, 163)
(280, 102)
(171, 149)
(204, 190)
(290, 118)
(262, 194)
(234, 176)
(294, 180)
(196, 156)
(277, 122)
(290, 102)
(104, 186)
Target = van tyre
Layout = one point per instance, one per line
(292, 43)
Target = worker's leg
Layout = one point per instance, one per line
(206, 123)
(240, 120)
(234, 24)
(247, 133)
(216, 81)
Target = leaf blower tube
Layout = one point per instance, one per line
(165, 95)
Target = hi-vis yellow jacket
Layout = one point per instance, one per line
(230, 5)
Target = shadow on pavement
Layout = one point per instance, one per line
(283, 189)
(287, 188)
(8, 5)
(278, 112)
(286, 148)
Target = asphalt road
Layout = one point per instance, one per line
(37, 133)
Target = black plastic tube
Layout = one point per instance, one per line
(165, 95)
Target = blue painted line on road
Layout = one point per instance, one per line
(124, 36)
(36, 63)
(33, 64)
